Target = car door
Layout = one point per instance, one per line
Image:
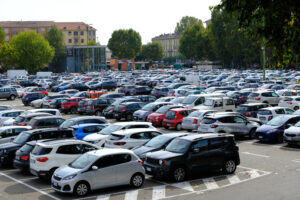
(124, 168)
(66, 154)
(216, 151)
(198, 157)
(242, 126)
(275, 98)
(2, 93)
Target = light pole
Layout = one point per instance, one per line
(87, 50)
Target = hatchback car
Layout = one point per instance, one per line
(290, 102)
(191, 122)
(83, 130)
(268, 97)
(159, 115)
(266, 114)
(174, 118)
(99, 169)
(250, 109)
(187, 155)
(292, 134)
(126, 110)
(9, 93)
(29, 97)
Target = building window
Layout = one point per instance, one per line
(43, 29)
(79, 27)
(75, 41)
(6, 30)
(69, 33)
(65, 28)
(93, 33)
(75, 33)
(70, 40)
(81, 33)
(82, 40)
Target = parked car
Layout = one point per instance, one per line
(48, 99)
(49, 155)
(29, 97)
(157, 117)
(173, 118)
(116, 167)
(9, 115)
(186, 155)
(96, 107)
(5, 107)
(35, 89)
(160, 92)
(83, 120)
(24, 119)
(146, 110)
(126, 110)
(250, 109)
(56, 103)
(45, 122)
(83, 130)
(70, 105)
(8, 133)
(126, 89)
(130, 138)
(292, 134)
(266, 114)
(220, 104)
(268, 97)
(191, 122)
(8, 93)
(274, 129)
(108, 112)
(290, 102)
(69, 92)
(155, 144)
(51, 111)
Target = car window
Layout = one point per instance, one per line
(69, 149)
(289, 111)
(215, 143)
(200, 145)
(140, 136)
(121, 158)
(90, 129)
(86, 148)
(154, 134)
(293, 120)
(229, 102)
(274, 94)
(226, 119)
(238, 120)
(136, 126)
(279, 111)
(105, 161)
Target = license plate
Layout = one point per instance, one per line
(148, 169)
(169, 124)
(55, 184)
(260, 137)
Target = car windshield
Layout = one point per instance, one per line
(67, 124)
(177, 100)
(189, 99)
(21, 138)
(158, 141)
(149, 107)
(242, 108)
(83, 161)
(163, 109)
(278, 121)
(178, 146)
(20, 119)
(109, 129)
(117, 102)
(26, 148)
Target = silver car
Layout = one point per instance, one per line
(292, 134)
(191, 122)
(99, 169)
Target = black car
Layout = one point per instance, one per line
(146, 98)
(140, 90)
(238, 97)
(96, 106)
(108, 85)
(46, 122)
(27, 83)
(155, 144)
(29, 97)
(108, 112)
(79, 86)
(8, 150)
(126, 110)
(250, 109)
(56, 103)
(193, 153)
(82, 106)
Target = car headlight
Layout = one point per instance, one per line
(69, 177)
(3, 151)
(272, 131)
(161, 162)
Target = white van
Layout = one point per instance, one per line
(198, 99)
(220, 104)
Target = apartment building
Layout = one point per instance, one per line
(170, 43)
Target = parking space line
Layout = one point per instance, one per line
(184, 186)
(159, 192)
(210, 183)
(254, 174)
(31, 178)
(296, 160)
(29, 186)
(103, 197)
(254, 154)
(9, 170)
(233, 179)
(131, 195)
(44, 189)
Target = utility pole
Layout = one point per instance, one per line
(264, 53)
(87, 50)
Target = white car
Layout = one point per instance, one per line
(99, 138)
(266, 114)
(19, 89)
(49, 155)
(55, 112)
(221, 104)
(38, 103)
(292, 102)
(128, 139)
(264, 96)
(9, 115)
(8, 133)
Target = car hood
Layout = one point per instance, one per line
(142, 150)
(94, 137)
(266, 127)
(163, 155)
(66, 171)
(9, 145)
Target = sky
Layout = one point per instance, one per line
(148, 17)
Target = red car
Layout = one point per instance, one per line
(35, 89)
(70, 105)
(159, 115)
(174, 118)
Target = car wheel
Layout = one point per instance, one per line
(178, 127)
(166, 127)
(229, 167)
(73, 110)
(98, 113)
(137, 180)
(189, 130)
(252, 133)
(118, 118)
(128, 117)
(12, 97)
(296, 108)
(179, 174)
(41, 105)
(81, 189)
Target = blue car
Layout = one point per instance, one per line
(274, 129)
(65, 87)
(82, 130)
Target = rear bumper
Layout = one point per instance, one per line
(21, 165)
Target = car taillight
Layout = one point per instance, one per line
(22, 124)
(120, 143)
(289, 103)
(84, 105)
(248, 113)
(24, 157)
(35, 127)
(42, 159)
(141, 162)
(49, 101)
(213, 126)
(257, 99)
(270, 117)
(124, 109)
(241, 97)
(195, 121)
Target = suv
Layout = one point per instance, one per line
(49, 155)
(8, 133)
(23, 119)
(71, 105)
(8, 150)
(8, 93)
(126, 110)
(185, 155)
(95, 107)
(268, 97)
(160, 92)
(29, 97)
(250, 109)
(83, 120)
(46, 122)
(108, 85)
(158, 116)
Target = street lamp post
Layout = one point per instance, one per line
(87, 50)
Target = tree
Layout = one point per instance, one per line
(2, 35)
(125, 43)
(184, 23)
(93, 43)
(276, 21)
(7, 55)
(152, 51)
(31, 51)
(191, 43)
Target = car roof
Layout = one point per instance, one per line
(36, 114)
(173, 135)
(109, 151)
(47, 117)
(179, 109)
(193, 137)
(58, 142)
(45, 130)
(90, 124)
(134, 130)
(8, 127)
(253, 104)
(273, 108)
(131, 123)
(8, 111)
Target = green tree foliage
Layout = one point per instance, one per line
(192, 42)
(185, 22)
(55, 38)
(93, 43)
(2, 35)
(277, 21)
(7, 55)
(152, 51)
(125, 43)
(31, 51)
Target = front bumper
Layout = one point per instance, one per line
(62, 186)
(267, 137)
(42, 174)
(292, 138)
(159, 171)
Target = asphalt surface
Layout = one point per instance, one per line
(267, 171)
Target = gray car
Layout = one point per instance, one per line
(191, 122)
(142, 114)
(8, 93)
(99, 169)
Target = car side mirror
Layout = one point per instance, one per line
(196, 150)
(288, 125)
(94, 168)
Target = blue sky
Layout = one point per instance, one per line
(149, 17)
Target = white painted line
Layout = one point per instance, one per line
(103, 197)
(159, 192)
(184, 186)
(210, 183)
(31, 178)
(131, 195)
(233, 179)
(254, 174)
(296, 160)
(29, 186)
(43, 189)
(254, 154)
(9, 170)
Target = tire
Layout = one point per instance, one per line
(189, 130)
(129, 117)
(229, 166)
(166, 127)
(73, 110)
(178, 127)
(12, 97)
(118, 118)
(179, 174)
(296, 108)
(252, 133)
(266, 102)
(81, 189)
(137, 180)
(98, 113)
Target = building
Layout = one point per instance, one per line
(75, 33)
(170, 43)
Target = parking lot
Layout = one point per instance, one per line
(267, 170)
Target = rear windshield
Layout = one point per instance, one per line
(116, 137)
(208, 121)
(26, 148)
(189, 99)
(163, 109)
(264, 112)
(243, 108)
(170, 115)
(254, 95)
(39, 150)
(20, 119)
